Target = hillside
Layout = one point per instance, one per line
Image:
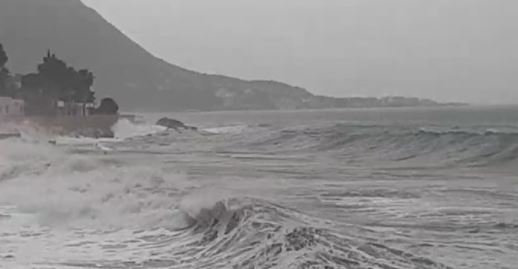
(135, 78)
(123, 69)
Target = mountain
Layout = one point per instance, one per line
(134, 77)
(123, 69)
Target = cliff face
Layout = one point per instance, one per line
(123, 69)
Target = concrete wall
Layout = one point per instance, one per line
(90, 126)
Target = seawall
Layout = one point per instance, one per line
(90, 126)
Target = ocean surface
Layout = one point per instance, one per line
(410, 188)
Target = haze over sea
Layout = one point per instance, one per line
(368, 188)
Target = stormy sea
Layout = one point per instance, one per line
(409, 188)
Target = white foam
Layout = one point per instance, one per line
(200, 199)
(77, 141)
(124, 129)
(63, 189)
(234, 129)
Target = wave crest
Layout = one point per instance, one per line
(259, 234)
(441, 146)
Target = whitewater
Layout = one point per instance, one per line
(407, 188)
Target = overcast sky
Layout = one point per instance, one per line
(459, 50)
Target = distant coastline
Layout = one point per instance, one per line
(140, 81)
(326, 103)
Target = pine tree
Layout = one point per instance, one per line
(3, 56)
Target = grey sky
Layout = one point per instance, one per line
(460, 50)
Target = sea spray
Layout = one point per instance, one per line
(124, 129)
(80, 190)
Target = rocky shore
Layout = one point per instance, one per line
(174, 124)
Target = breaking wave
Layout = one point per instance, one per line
(189, 230)
(67, 189)
(252, 233)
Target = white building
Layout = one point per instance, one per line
(11, 107)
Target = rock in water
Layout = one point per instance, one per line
(173, 124)
(170, 123)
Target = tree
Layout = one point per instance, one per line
(4, 76)
(56, 77)
(58, 80)
(3, 56)
(108, 106)
(4, 72)
(83, 82)
(31, 81)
